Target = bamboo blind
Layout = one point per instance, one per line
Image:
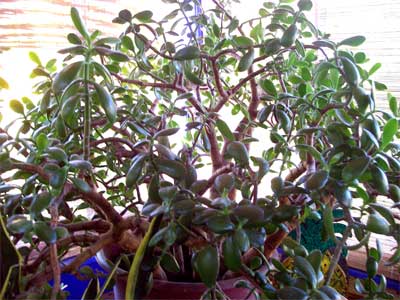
(45, 23)
(379, 22)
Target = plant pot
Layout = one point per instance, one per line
(168, 290)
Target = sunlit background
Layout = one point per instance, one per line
(41, 25)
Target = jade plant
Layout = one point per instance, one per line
(197, 142)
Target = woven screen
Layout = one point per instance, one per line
(379, 22)
(45, 23)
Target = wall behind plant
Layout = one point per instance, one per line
(43, 24)
(377, 20)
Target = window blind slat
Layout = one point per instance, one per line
(379, 22)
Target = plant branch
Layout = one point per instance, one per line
(92, 196)
(98, 225)
(72, 239)
(336, 255)
(55, 266)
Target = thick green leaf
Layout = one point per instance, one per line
(371, 266)
(3, 83)
(305, 4)
(394, 192)
(127, 43)
(313, 151)
(81, 185)
(359, 287)
(241, 239)
(384, 212)
(172, 168)
(66, 76)
(374, 68)
(343, 195)
(269, 87)
(232, 255)
(68, 108)
(289, 36)
(45, 102)
(106, 102)
(331, 292)
(144, 16)
(305, 270)
(35, 58)
(377, 224)
(291, 293)
(103, 72)
(239, 152)
(118, 56)
(192, 77)
(80, 164)
(393, 104)
(168, 193)
(362, 98)
(224, 183)
(75, 50)
(353, 41)
(74, 39)
(246, 61)
(187, 53)
(125, 15)
(389, 131)
(107, 40)
(242, 41)
(252, 213)
(19, 224)
(394, 259)
(319, 295)
(206, 262)
(372, 126)
(315, 259)
(317, 180)
(166, 132)
(135, 169)
(39, 203)
(277, 184)
(355, 168)
(79, 25)
(220, 224)
(352, 75)
(45, 232)
(169, 263)
(380, 180)
(224, 129)
(57, 175)
(17, 106)
(165, 152)
(272, 46)
(57, 154)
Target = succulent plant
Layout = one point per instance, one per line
(199, 152)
